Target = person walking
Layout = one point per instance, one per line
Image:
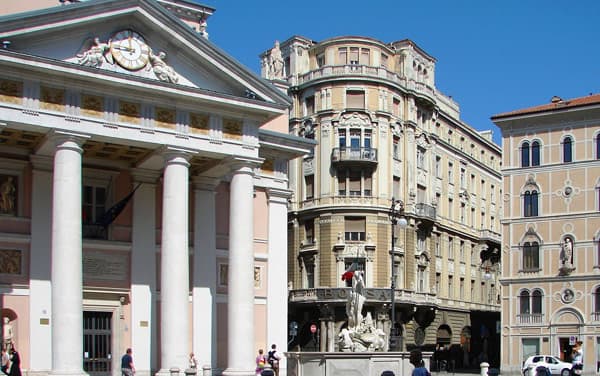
(416, 359)
(261, 360)
(15, 362)
(274, 359)
(127, 368)
(577, 358)
(5, 361)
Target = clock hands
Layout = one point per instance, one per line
(123, 48)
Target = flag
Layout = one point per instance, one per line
(112, 213)
(349, 273)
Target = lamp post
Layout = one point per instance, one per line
(396, 218)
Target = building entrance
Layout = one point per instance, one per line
(566, 349)
(97, 343)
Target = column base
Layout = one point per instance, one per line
(67, 373)
(239, 372)
(169, 372)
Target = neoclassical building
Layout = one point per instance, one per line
(385, 131)
(143, 192)
(551, 231)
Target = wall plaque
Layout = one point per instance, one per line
(105, 266)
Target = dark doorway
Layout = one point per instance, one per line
(97, 343)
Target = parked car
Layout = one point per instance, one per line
(554, 364)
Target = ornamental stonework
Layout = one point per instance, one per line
(10, 261)
(92, 105)
(129, 112)
(52, 99)
(11, 91)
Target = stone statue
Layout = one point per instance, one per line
(276, 63)
(162, 71)
(8, 333)
(96, 54)
(7, 196)
(202, 27)
(361, 334)
(567, 252)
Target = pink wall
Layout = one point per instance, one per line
(279, 124)
(18, 304)
(9, 7)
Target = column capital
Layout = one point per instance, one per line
(205, 183)
(68, 140)
(278, 195)
(175, 155)
(41, 162)
(142, 175)
(244, 165)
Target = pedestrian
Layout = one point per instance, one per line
(416, 359)
(193, 362)
(15, 362)
(127, 368)
(261, 360)
(577, 358)
(274, 359)
(5, 361)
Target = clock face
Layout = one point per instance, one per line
(129, 50)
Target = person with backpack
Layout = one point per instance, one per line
(416, 359)
(273, 359)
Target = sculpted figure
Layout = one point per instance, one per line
(276, 62)
(567, 252)
(7, 196)
(96, 54)
(356, 300)
(163, 71)
(8, 332)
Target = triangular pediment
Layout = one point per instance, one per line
(137, 40)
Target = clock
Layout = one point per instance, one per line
(129, 50)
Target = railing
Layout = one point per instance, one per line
(530, 318)
(595, 316)
(490, 235)
(349, 154)
(364, 70)
(425, 211)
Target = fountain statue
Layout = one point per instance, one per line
(361, 334)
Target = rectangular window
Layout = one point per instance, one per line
(396, 106)
(355, 99)
(438, 248)
(463, 181)
(396, 188)
(309, 180)
(450, 173)
(355, 228)
(93, 208)
(309, 229)
(438, 161)
(450, 207)
(354, 55)
(367, 139)
(368, 191)
(365, 56)
(472, 187)
(450, 247)
(396, 147)
(341, 183)
(359, 265)
(342, 138)
(450, 287)
(492, 194)
(420, 158)
(355, 139)
(462, 251)
(343, 56)
(421, 279)
(320, 60)
(473, 217)
(482, 293)
(462, 213)
(384, 60)
(531, 346)
(461, 290)
(354, 183)
(482, 189)
(438, 277)
(472, 296)
(309, 103)
(310, 275)
(421, 194)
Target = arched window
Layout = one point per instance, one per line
(536, 302)
(530, 204)
(525, 154)
(524, 306)
(535, 153)
(531, 255)
(567, 150)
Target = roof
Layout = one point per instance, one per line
(557, 104)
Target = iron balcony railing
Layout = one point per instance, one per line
(349, 154)
(425, 211)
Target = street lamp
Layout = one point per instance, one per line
(396, 218)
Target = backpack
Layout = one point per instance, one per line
(272, 359)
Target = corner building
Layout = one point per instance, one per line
(551, 232)
(385, 131)
(144, 192)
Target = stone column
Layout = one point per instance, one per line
(204, 317)
(143, 272)
(277, 293)
(240, 303)
(67, 272)
(174, 264)
(40, 286)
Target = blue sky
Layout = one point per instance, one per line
(492, 56)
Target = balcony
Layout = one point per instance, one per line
(489, 235)
(354, 156)
(425, 212)
(373, 295)
(530, 318)
(365, 71)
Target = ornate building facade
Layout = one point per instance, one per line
(144, 192)
(385, 131)
(551, 232)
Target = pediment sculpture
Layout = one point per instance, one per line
(128, 50)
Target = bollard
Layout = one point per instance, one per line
(174, 371)
(484, 369)
(206, 371)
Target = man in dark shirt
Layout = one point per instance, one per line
(127, 367)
